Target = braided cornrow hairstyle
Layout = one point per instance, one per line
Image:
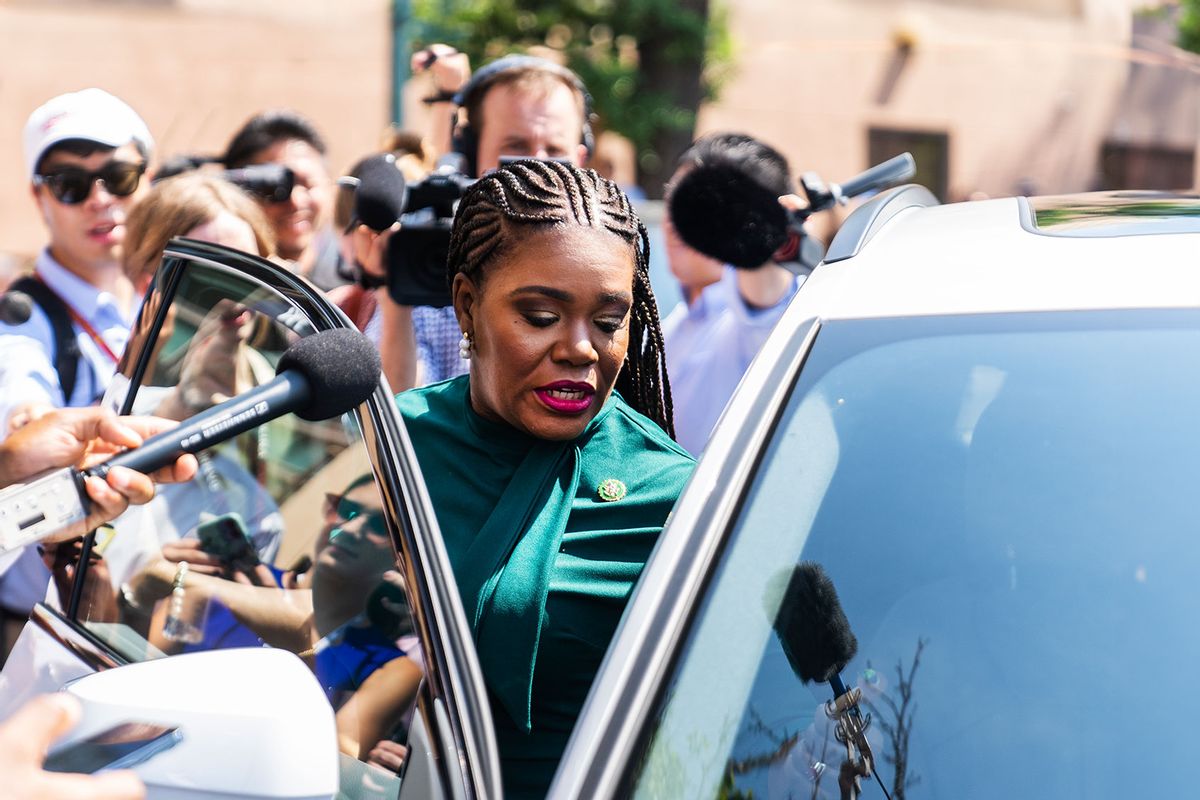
(491, 216)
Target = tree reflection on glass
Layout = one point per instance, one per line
(894, 716)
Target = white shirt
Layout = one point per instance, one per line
(27, 375)
(710, 344)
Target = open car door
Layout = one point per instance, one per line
(315, 540)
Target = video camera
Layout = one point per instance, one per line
(416, 254)
(270, 183)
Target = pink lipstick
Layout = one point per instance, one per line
(566, 397)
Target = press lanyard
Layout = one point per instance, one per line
(78, 319)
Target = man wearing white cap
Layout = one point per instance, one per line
(85, 156)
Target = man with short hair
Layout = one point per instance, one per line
(526, 106)
(85, 154)
(728, 313)
(302, 233)
(519, 106)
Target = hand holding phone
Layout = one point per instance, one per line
(119, 747)
(226, 538)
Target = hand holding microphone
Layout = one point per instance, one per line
(86, 436)
(318, 377)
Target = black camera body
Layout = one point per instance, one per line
(416, 254)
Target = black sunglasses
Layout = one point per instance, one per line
(347, 510)
(72, 185)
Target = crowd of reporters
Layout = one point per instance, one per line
(369, 238)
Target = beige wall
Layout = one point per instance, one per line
(195, 69)
(1023, 88)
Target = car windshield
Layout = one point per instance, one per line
(1006, 506)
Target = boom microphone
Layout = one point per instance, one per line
(318, 377)
(724, 213)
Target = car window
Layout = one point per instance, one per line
(1005, 506)
(281, 540)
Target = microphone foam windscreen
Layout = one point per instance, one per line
(725, 214)
(381, 193)
(342, 367)
(15, 308)
(812, 627)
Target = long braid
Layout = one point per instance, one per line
(489, 220)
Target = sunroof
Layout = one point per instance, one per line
(1116, 214)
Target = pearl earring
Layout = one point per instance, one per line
(464, 347)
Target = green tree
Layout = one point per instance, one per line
(647, 63)
(1189, 25)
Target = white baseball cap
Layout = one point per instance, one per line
(90, 114)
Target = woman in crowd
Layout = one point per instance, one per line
(198, 206)
(550, 487)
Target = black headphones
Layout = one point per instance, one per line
(466, 139)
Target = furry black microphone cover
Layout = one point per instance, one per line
(381, 193)
(723, 213)
(342, 367)
(812, 627)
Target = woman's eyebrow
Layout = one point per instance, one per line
(556, 294)
(566, 297)
(616, 297)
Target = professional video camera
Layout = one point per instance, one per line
(416, 255)
(723, 212)
(271, 183)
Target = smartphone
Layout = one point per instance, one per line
(118, 747)
(226, 537)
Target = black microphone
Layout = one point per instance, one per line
(813, 629)
(724, 213)
(381, 193)
(15, 308)
(318, 377)
(818, 642)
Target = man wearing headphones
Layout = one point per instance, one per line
(521, 106)
(517, 106)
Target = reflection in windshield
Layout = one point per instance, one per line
(1006, 508)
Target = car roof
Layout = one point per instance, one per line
(1090, 251)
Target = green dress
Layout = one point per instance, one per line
(544, 560)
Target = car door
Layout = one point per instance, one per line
(315, 537)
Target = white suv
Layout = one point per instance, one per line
(981, 420)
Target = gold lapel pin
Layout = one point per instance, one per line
(611, 490)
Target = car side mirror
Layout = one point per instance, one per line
(254, 722)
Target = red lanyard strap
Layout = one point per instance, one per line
(78, 319)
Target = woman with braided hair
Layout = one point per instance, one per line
(550, 487)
